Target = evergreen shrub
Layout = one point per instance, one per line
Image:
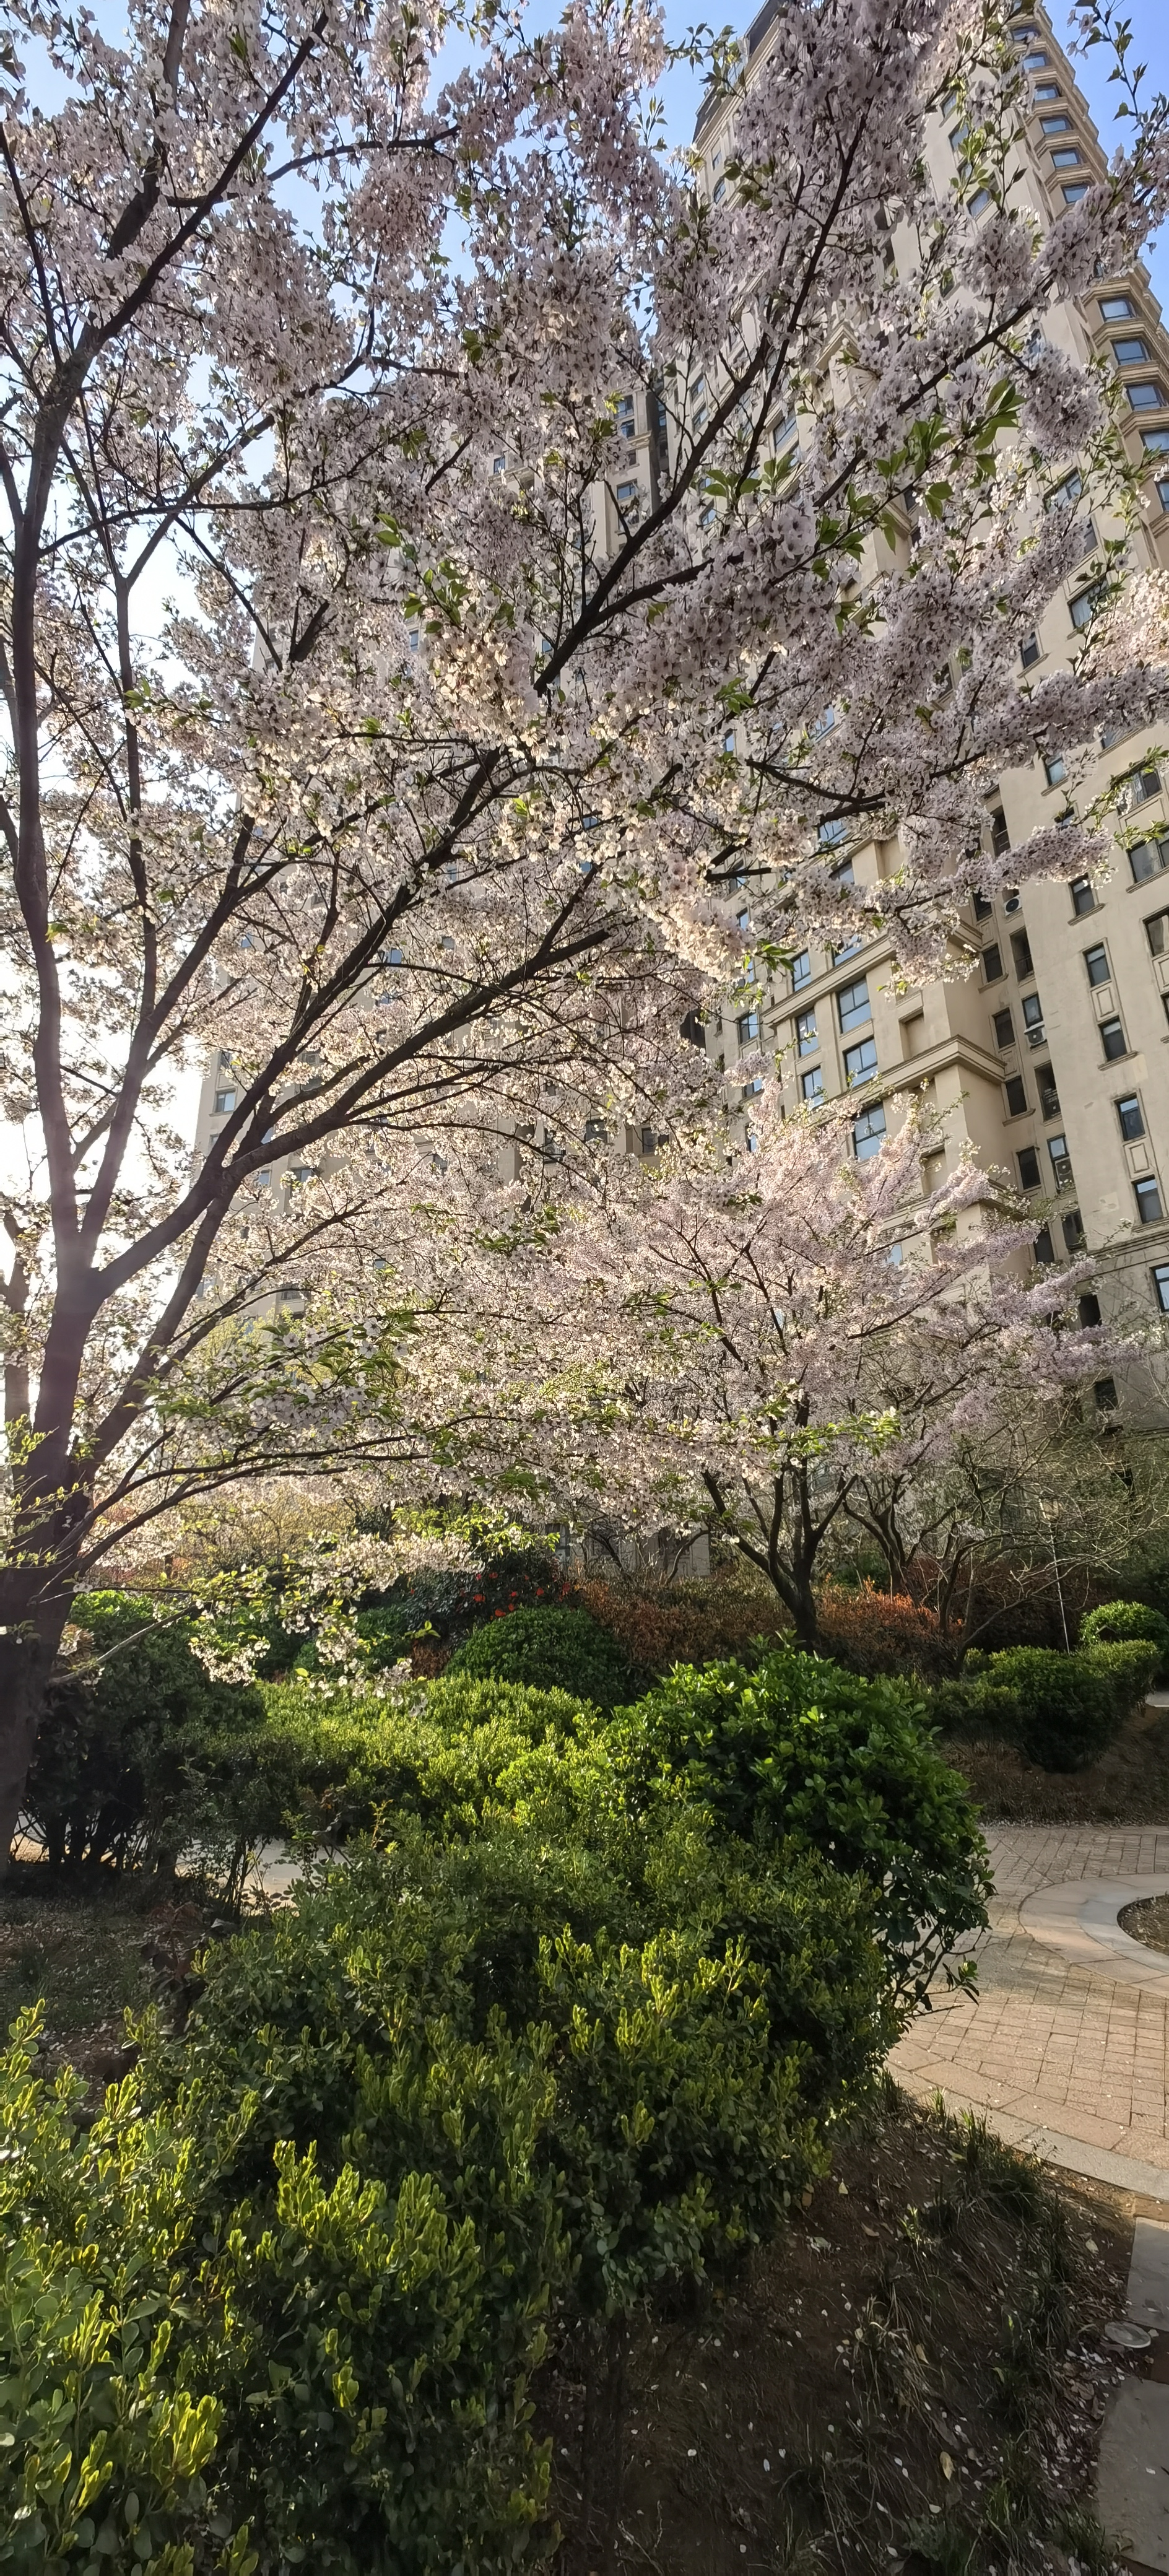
(799, 1751)
(1118, 1622)
(550, 1649)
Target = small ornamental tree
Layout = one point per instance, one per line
(420, 793)
(754, 1334)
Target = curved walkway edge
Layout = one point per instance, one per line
(1064, 2047)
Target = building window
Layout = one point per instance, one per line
(807, 1041)
(868, 1134)
(1028, 1162)
(1029, 650)
(1089, 1310)
(1096, 961)
(1055, 770)
(1000, 838)
(1083, 896)
(1044, 1247)
(1130, 353)
(1147, 397)
(983, 907)
(626, 423)
(1067, 158)
(1112, 1040)
(860, 1062)
(852, 1003)
(1117, 308)
(1147, 859)
(1033, 1019)
(1148, 1199)
(1105, 1394)
(1163, 495)
(812, 1084)
(1143, 784)
(992, 963)
(1073, 1230)
(629, 503)
(1021, 952)
(1035, 62)
(1004, 1029)
(801, 969)
(1161, 1286)
(979, 202)
(596, 1132)
(1073, 193)
(1132, 1124)
(1016, 1092)
(1061, 1161)
(1048, 1095)
(224, 1103)
(1155, 928)
(831, 834)
(1061, 124)
(1083, 608)
(748, 1028)
(1155, 441)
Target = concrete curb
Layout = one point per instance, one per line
(1052, 2146)
(1079, 1920)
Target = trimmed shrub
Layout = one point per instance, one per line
(1130, 1664)
(131, 1761)
(803, 1753)
(1065, 1708)
(549, 1649)
(1118, 1622)
(347, 1764)
(870, 1632)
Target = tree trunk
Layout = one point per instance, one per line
(28, 1650)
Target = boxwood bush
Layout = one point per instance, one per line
(552, 1649)
(1119, 1622)
(798, 1751)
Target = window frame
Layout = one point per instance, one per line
(857, 1016)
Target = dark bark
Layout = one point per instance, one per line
(28, 1649)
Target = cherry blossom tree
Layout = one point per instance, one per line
(438, 778)
(754, 1340)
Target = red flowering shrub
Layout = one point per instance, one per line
(660, 1625)
(872, 1632)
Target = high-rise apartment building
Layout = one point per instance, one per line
(1051, 1057)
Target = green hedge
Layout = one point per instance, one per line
(1061, 1710)
(551, 1649)
(1120, 1622)
(582, 2022)
(799, 1750)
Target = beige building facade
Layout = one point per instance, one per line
(1051, 1056)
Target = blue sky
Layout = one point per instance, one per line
(1150, 45)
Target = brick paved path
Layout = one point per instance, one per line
(1061, 2057)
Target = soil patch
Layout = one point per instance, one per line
(912, 2379)
(1128, 1786)
(1147, 1921)
(92, 1947)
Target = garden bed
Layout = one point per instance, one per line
(1129, 1785)
(911, 2378)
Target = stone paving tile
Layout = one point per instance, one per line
(1054, 2043)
